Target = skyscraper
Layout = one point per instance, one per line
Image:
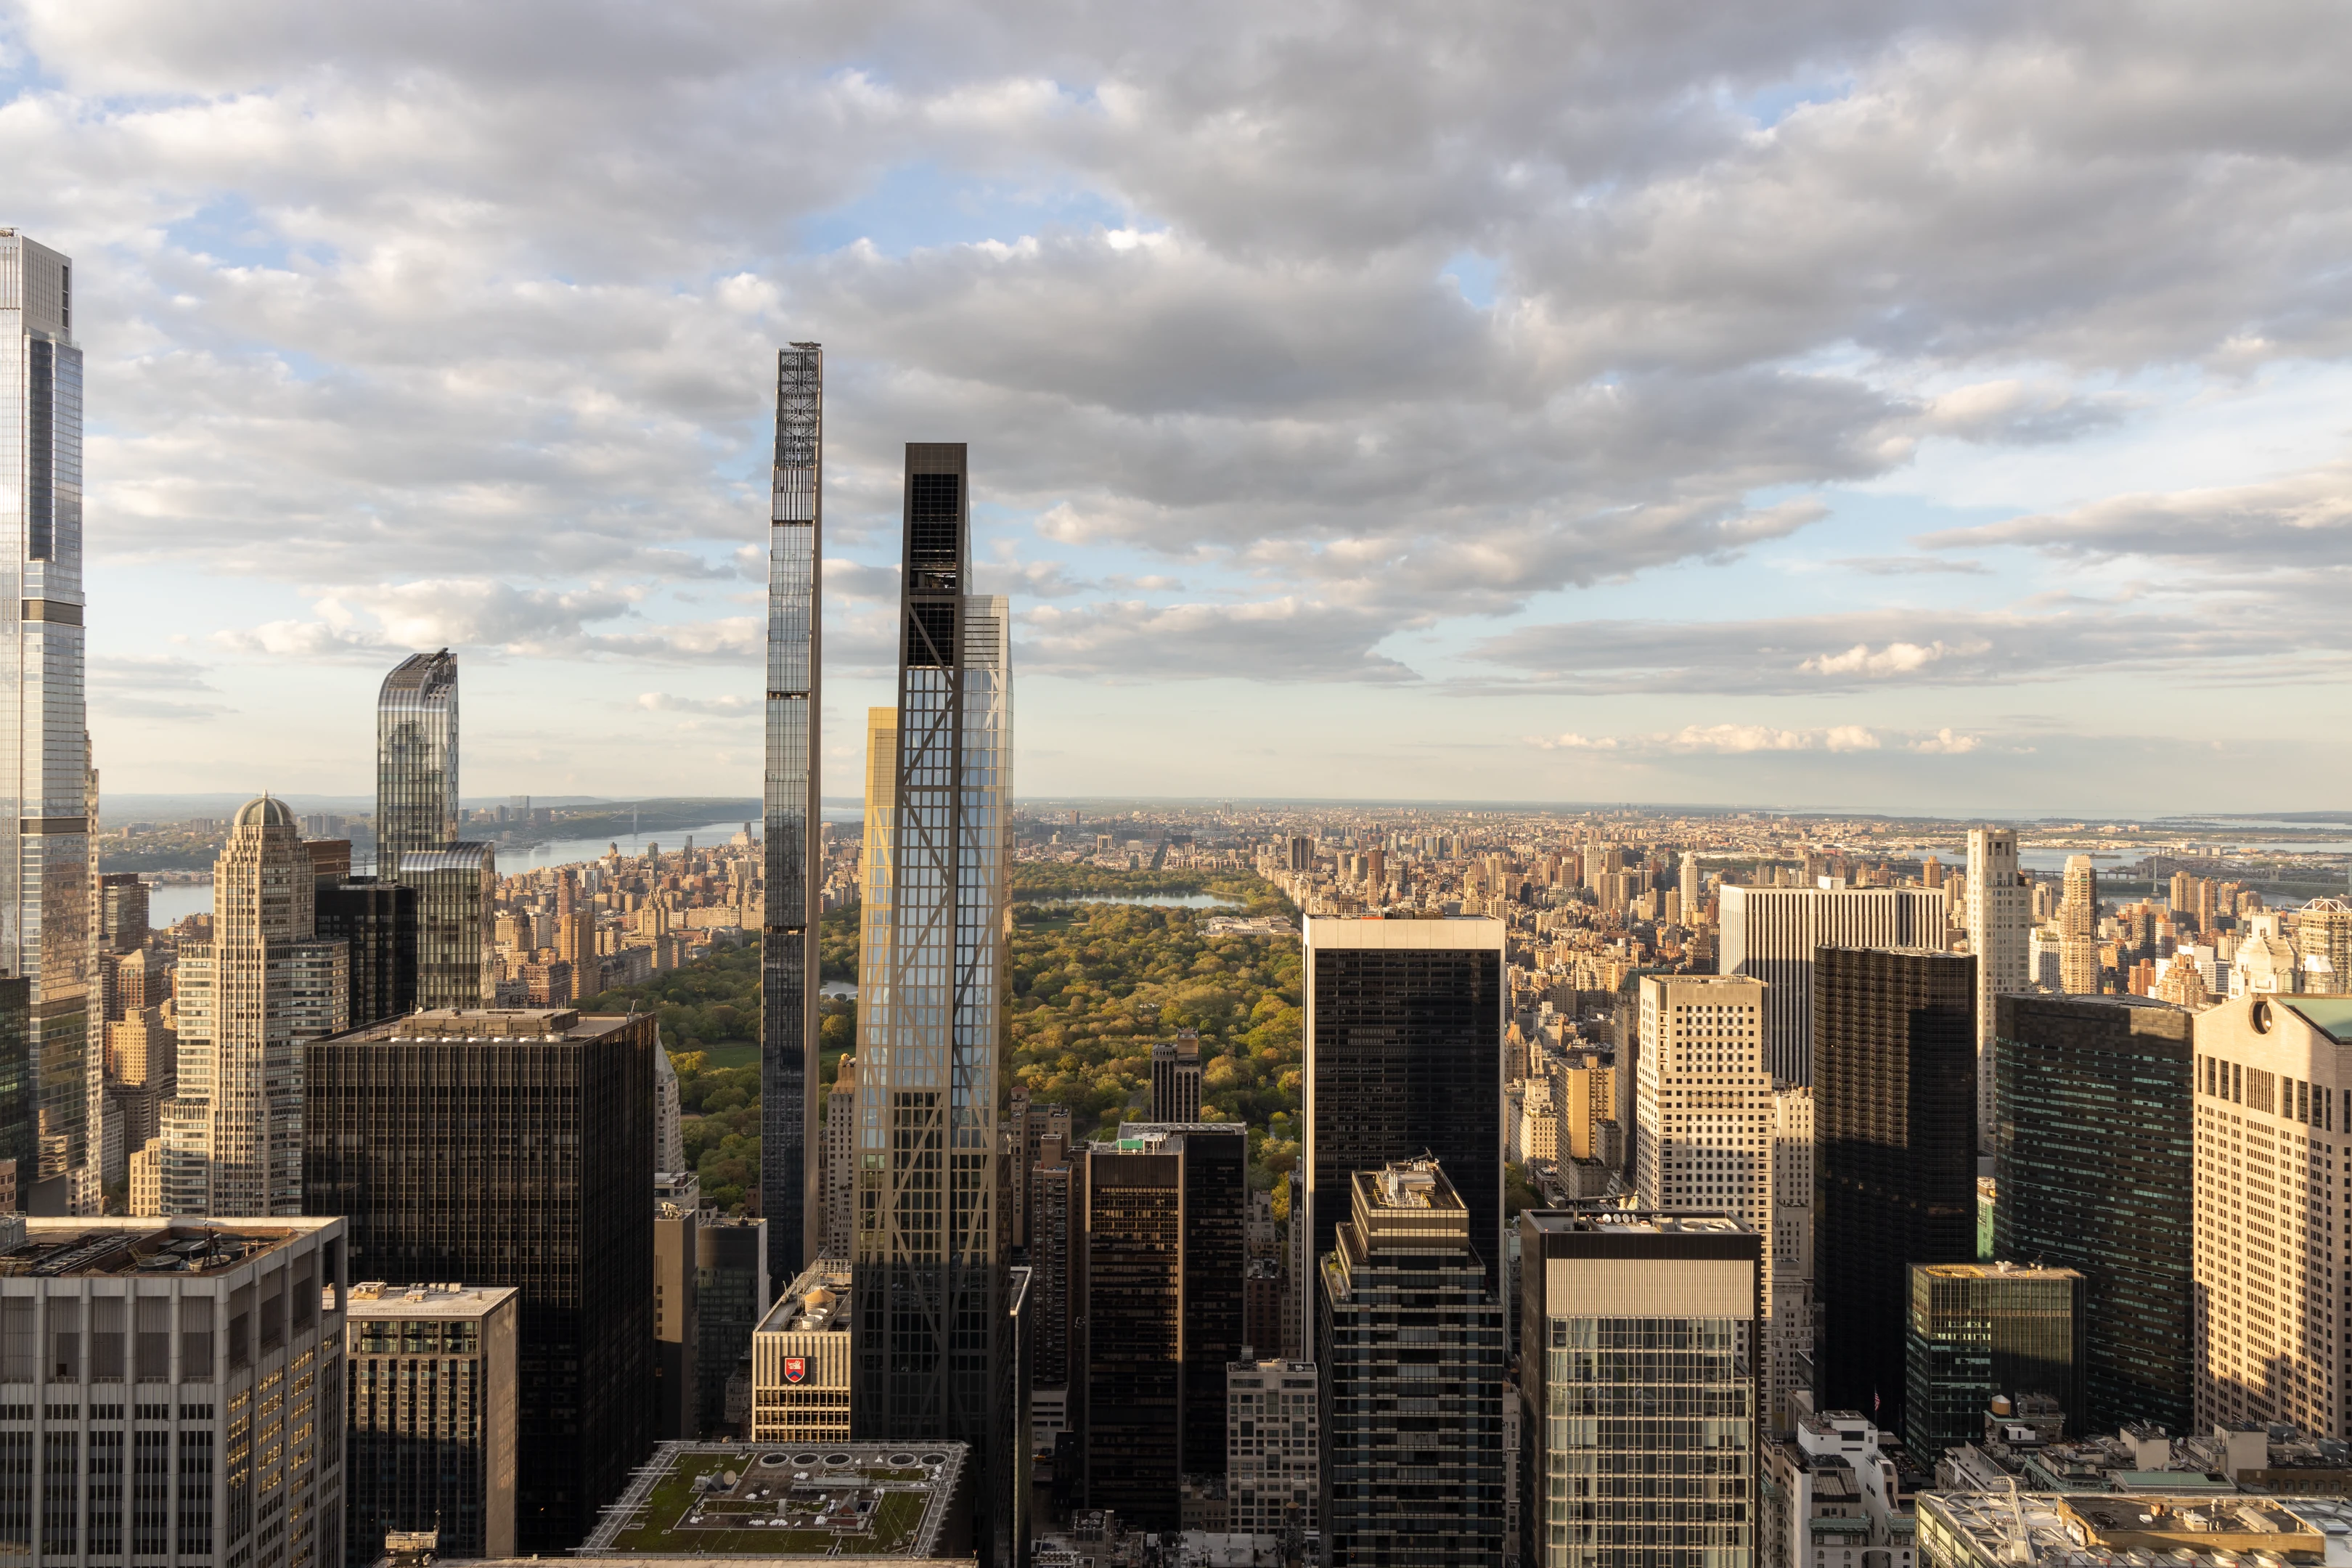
(1981, 1328)
(415, 759)
(2095, 1151)
(1689, 888)
(2273, 1138)
(927, 1275)
(788, 955)
(1414, 1436)
(1894, 1123)
(465, 1418)
(510, 1147)
(1998, 922)
(1772, 934)
(247, 999)
(1404, 1059)
(44, 882)
(456, 963)
(1176, 1077)
(1639, 1387)
(2078, 929)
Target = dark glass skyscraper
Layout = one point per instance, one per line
(415, 759)
(1404, 1059)
(2096, 1161)
(929, 1275)
(1981, 1328)
(44, 802)
(511, 1148)
(1894, 1074)
(1412, 1387)
(376, 919)
(788, 949)
(1160, 1295)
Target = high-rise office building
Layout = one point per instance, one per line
(1053, 1180)
(2094, 1141)
(839, 1166)
(375, 918)
(929, 1273)
(1213, 1181)
(45, 919)
(1029, 1124)
(1176, 1077)
(249, 998)
(1998, 920)
(1639, 1387)
(1413, 1391)
(800, 1360)
(511, 1148)
(2323, 930)
(1404, 1059)
(677, 1365)
(2273, 1137)
(437, 1451)
(188, 1410)
(732, 1267)
(1977, 1329)
(1692, 902)
(788, 946)
(415, 760)
(1788, 1344)
(2078, 929)
(1703, 1099)
(1273, 1443)
(1772, 934)
(1894, 1134)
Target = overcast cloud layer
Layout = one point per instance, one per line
(1598, 388)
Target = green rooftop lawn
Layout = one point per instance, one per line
(662, 1528)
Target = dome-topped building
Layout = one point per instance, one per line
(246, 999)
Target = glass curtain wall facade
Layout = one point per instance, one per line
(788, 953)
(415, 759)
(1895, 1065)
(1640, 1384)
(456, 964)
(928, 1274)
(1981, 1329)
(2095, 1169)
(45, 917)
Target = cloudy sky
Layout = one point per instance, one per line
(1907, 406)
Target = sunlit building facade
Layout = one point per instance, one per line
(415, 759)
(788, 942)
(928, 1274)
(46, 873)
(247, 1001)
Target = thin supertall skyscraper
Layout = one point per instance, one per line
(1997, 918)
(45, 876)
(788, 938)
(928, 1278)
(415, 760)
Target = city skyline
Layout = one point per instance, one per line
(1971, 527)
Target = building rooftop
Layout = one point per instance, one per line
(67, 1248)
(817, 1302)
(1611, 1219)
(489, 1024)
(2117, 1530)
(375, 1298)
(729, 1501)
(1996, 1271)
(2331, 1015)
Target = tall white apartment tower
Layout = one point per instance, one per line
(45, 880)
(1996, 926)
(2273, 1091)
(1690, 887)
